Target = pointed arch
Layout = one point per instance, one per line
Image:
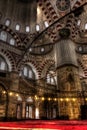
(32, 65)
(9, 60)
(45, 67)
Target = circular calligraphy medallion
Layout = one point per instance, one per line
(63, 5)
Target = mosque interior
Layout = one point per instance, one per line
(43, 59)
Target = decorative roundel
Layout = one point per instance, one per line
(64, 32)
(63, 5)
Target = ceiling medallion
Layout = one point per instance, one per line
(64, 33)
(63, 5)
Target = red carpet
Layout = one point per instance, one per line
(44, 125)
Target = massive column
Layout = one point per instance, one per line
(67, 76)
(12, 104)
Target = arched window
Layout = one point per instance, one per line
(28, 72)
(86, 26)
(80, 48)
(30, 50)
(3, 36)
(17, 27)
(12, 41)
(7, 22)
(42, 49)
(48, 78)
(79, 22)
(3, 64)
(25, 71)
(46, 24)
(27, 29)
(51, 79)
(37, 28)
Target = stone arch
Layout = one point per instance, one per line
(34, 69)
(9, 59)
(32, 64)
(45, 67)
(13, 34)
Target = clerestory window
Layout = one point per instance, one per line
(3, 64)
(28, 72)
(3, 36)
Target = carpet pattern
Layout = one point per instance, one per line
(44, 125)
